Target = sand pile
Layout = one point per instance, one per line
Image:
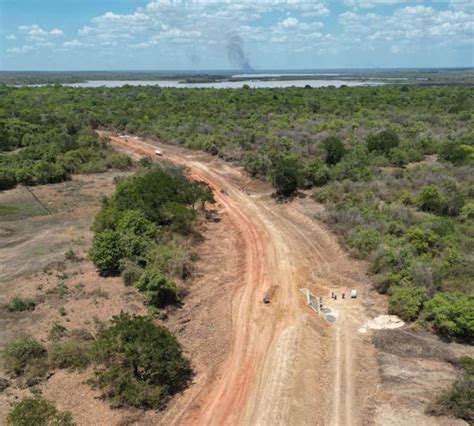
(382, 322)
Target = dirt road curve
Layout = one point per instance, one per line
(287, 365)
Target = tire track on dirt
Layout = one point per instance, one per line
(256, 382)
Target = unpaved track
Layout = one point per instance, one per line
(286, 365)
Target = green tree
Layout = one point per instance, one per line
(334, 149)
(452, 315)
(383, 142)
(106, 252)
(316, 172)
(454, 152)
(141, 364)
(159, 290)
(432, 200)
(7, 179)
(407, 302)
(286, 174)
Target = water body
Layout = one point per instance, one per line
(225, 84)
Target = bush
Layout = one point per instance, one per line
(316, 172)
(364, 239)
(72, 256)
(454, 152)
(141, 363)
(467, 212)
(452, 315)
(18, 354)
(106, 252)
(334, 150)
(38, 412)
(458, 400)
(383, 142)
(159, 290)
(117, 160)
(57, 332)
(17, 304)
(398, 157)
(384, 282)
(431, 200)
(422, 240)
(7, 180)
(131, 272)
(406, 302)
(286, 174)
(73, 354)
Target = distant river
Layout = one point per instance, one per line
(226, 84)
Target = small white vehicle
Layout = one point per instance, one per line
(353, 294)
(158, 152)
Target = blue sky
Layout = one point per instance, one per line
(224, 34)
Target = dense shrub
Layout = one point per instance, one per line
(422, 240)
(454, 152)
(398, 157)
(406, 302)
(316, 172)
(106, 252)
(141, 363)
(286, 174)
(38, 412)
(127, 241)
(19, 353)
(18, 304)
(364, 239)
(334, 149)
(432, 200)
(159, 291)
(383, 142)
(152, 192)
(74, 353)
(452, 315)
(131, 272)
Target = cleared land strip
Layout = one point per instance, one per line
(268, 378)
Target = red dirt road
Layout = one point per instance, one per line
(286, 365)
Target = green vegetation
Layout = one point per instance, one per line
(21, 353)
(141, 364)
(38, 412)
(452, 315)
(8, 210)
(393, 166)
(406, 302)
(39, 146)
(57, 332)
(137, 228)
(137, 363)
(72, 353)
(17, 304)
(458, 400)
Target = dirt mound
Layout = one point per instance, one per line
(382, 322)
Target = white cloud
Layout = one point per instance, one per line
(72, 43)
(368, 4)
(11, 37)
(464, 5)
(34, 33)
(289, 23)
(410, 27)
(20, 50)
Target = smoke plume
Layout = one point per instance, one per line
(236, 54)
